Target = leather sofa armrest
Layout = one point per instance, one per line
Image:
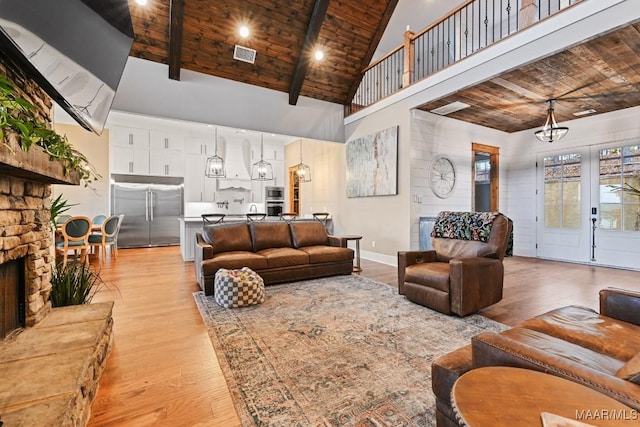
(473, 282)
(621, 304)
(337, 241)
(407, 258)
(203, 248)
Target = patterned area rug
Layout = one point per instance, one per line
(337, 351)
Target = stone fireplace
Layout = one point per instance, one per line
(51, 359)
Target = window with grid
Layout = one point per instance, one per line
(620, 188)
(562, 191)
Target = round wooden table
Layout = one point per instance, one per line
(512, 397)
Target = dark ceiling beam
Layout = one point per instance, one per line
(310, 39)
(176, 16)
(375, 40)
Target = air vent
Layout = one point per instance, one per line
(450, 108)
(244, 54)
(585, 112)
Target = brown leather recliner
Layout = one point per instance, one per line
(458, 276)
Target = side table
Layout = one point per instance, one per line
(512, 397)
(357, 238)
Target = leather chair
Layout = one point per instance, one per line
(458, 276)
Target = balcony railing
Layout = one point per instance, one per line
(466, 30)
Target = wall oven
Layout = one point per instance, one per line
(274, 208)
(274, 194)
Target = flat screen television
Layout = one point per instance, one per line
(76, 50)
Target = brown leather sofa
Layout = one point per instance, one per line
(572, 342)
(278, 251)
(458, 276)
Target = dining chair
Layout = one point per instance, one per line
(98, 219)
(106, 237)
(61, 219)
(75, 232)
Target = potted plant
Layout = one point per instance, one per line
(74, 283)
(17, 116)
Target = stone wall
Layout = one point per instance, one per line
(24, 211)
(25, 232)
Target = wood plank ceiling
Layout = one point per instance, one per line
(281, 34)
(601, 74)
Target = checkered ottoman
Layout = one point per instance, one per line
(238, 288)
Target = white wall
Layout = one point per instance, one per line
(519, 159)
(92, 200)
(384, 220)
(145, 88)
(432, 135)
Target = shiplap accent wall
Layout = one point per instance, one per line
(432, 135)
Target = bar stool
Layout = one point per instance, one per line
(288, 216)
(256, 216)
(212, 218)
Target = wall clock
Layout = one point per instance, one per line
(442, 176)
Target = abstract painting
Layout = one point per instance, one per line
(372, 164)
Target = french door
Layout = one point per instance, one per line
(587, 210)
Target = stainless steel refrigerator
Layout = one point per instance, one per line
(152, 207)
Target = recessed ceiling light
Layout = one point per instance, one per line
(141, 2)
(244, 31)
(318, 55)
(584, 113)
(450, 108)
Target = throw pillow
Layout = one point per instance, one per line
(630, 371)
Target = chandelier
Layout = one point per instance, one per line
(215, 164)
(262, 171)
(551, 131)
(302, 171)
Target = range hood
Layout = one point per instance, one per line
(236, 167)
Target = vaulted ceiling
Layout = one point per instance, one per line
(602, 74)
(200, 35)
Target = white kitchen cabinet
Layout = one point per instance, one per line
(129, 137)
(166, 153)
(166, 141)
(257, 191)
(129, 160)
(129, 150)
(278, 173)
(200, 145)
(197, 186)
(188, 230)
(145, 152)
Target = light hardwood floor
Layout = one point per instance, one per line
(163, 370)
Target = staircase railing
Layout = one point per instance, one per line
(464, 31)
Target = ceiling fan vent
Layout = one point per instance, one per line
(244, 54)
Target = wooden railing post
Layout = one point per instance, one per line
(408, 57)
(528, 13)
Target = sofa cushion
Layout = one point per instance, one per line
(430, 274)
(320, 254)
(270, 235)
(233, 260)
(586, 328)
(228, 237)
(284, 257)
(630, 371)
(308, 233)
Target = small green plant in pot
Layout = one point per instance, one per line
(74, 283)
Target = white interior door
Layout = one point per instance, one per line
(563, 200)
